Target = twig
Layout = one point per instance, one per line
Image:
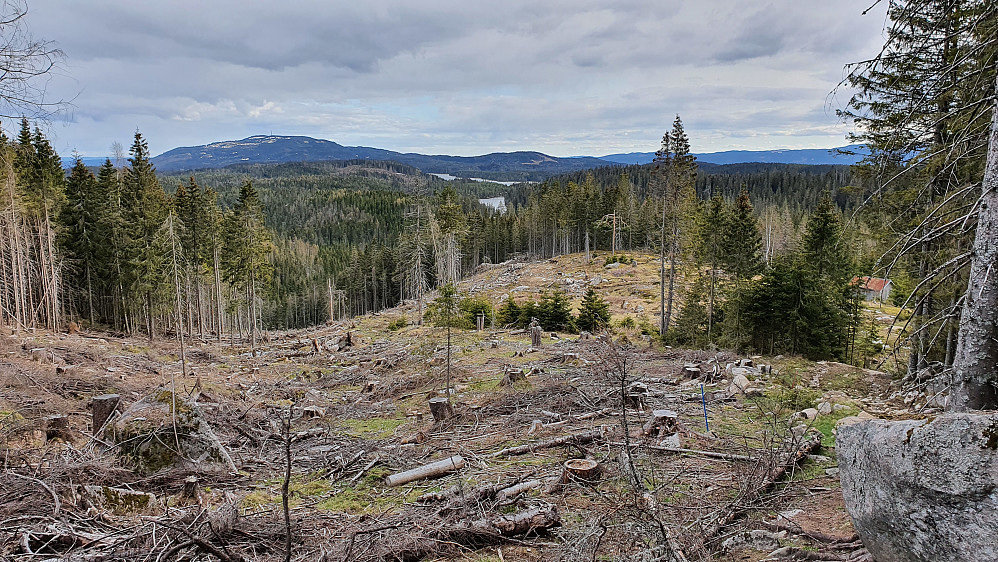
(55, 497)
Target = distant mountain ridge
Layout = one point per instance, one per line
(845, 155)
(523, 165)
(272, 148)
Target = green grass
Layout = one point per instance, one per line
(826, 425)
(372, 428)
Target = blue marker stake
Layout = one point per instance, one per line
(703, 398)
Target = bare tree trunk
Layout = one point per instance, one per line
(253, 311)
(661, 287)
(218, 294)
(976, 361)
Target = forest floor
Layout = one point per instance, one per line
(359, 413)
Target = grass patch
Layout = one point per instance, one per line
(372, 428)
(826, 425)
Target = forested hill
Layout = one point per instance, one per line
(796, 186)
(509, 166)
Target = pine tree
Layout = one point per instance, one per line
(742, 258)
(247, 245)
(675, 172)
(80, 236)
(594, 312)
(144, 210)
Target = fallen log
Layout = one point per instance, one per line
(476, 534)
(794, 451)
(575, 439)
(431, 470)
(702, 453)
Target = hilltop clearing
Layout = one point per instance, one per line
(584, 447)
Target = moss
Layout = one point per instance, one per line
(377, 428)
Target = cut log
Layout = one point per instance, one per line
(577, 439)
(441, 409)
(513, 491)
(431, 470)
(102, 408)
(660, 423)
(57, 427)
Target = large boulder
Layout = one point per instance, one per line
(149, 431)
(923, 490)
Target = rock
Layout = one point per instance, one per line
(146, 439)
(754, 391)
(118, 500)
(671, 440)
(832, 471)
(743, 371)
(757, 539)
(921, 490)
(839, 407)
(614, 265)
(824, 408)
(738, 384)
(808, 413)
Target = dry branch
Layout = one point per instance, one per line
(574, 439)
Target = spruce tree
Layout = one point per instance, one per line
(594, 312)
(247, 245)
(144, 211)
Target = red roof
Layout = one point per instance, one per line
(875, 284)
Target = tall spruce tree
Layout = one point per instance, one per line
(144, 210)
(247, 245)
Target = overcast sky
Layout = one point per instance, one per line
(455, 77)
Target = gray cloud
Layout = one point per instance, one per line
(566, 77)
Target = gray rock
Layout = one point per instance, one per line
(808, 413)
(824, 408)
(738, 384)
(923, 491)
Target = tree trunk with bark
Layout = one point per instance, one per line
(975, 364)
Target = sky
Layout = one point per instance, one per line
(462, 77)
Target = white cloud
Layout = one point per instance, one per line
(462, 77)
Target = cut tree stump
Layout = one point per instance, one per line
(691, 371)
(579, 469)
(661, 422)
(535, 336)
(512, 375)
(57, 427)
(102, 408)
(431, 470)
(441, 409)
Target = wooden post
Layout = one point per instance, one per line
(102, 408)
(441, 409)
(431, 470)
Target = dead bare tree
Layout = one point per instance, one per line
(24, 64)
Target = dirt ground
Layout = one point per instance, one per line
(359, 413)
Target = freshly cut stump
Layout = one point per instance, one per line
(57, 427)
(580, 469)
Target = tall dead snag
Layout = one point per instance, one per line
(976, 361)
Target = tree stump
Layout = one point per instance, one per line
(535, 336)
(579, 469)
(691, 371)
(57, 427)
(102, 408)
(511, 375)
(441, 409)
(661, 422)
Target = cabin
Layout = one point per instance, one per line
(874, 288)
